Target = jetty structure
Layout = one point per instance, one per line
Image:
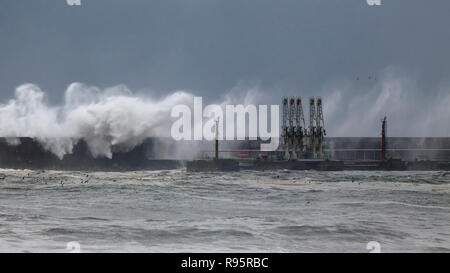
(303, 146)
(307, 148)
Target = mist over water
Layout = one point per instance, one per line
(103, 118)
(115, 117)
(281, 211)
(352, 110)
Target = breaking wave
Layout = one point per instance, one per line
(102, 118)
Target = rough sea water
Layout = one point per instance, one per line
(247, 211)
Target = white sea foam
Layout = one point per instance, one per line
(103, 118)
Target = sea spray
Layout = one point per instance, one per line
(103, 118)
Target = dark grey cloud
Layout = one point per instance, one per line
(208, 46)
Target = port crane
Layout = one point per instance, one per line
(291, 131)
(298, 141)
(285, 128)
(312, 127)
(320, 129)
(300, 130)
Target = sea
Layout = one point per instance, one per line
(246, 211)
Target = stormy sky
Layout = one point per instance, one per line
(365, 61)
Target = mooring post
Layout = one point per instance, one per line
(383, 140)
(216, 157)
